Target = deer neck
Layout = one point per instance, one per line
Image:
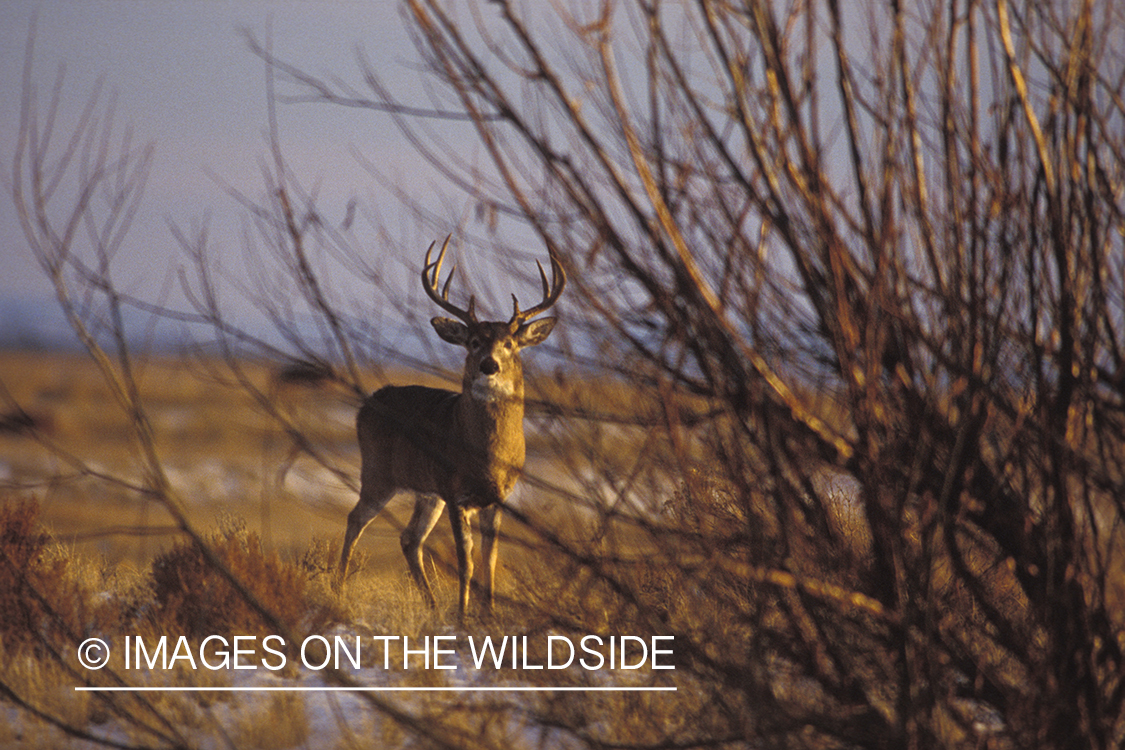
(492, 430)
(492, 423)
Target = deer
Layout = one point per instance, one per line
(465, 450)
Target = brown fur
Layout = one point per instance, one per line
(465, 450)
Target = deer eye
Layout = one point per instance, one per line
(474, 343)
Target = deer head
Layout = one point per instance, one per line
(493, 370)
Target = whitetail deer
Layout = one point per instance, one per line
(466, 449)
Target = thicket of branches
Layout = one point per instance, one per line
(882, 242)
(862, 267)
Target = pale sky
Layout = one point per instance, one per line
(185, 81)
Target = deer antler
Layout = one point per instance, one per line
(551, 292)
(431, 273)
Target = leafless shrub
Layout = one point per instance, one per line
(881, 245)
(39, 596)
(197, 600)
(856, 274)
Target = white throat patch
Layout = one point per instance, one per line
(492, 388)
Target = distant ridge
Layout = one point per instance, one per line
(34, 324)
(38, 324)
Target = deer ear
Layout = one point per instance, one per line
(535, 332)
(450, 330)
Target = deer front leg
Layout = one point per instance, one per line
(463, 539)
(427, 511)
(489, 529)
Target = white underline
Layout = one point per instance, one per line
(361, 689)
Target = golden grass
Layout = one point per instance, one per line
(221, 453)
(378, 601)
(121, 559)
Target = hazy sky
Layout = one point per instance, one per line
(185, 81)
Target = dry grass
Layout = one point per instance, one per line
(193, 598)
(180, 593)
(122, 569)
(220, 452)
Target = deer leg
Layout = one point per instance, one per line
(489, 529)
(372, 499)
(463, 539)
(427, 511)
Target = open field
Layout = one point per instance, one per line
(104, 559)
(74, 449)
(221, 454)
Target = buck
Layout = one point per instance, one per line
(464, 450)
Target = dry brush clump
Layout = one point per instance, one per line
(52, 600)
(195, 598)
(42, 595)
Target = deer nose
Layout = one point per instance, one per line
(489, 366)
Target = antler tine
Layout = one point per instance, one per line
(543, 278)
(448, 281)
(431, 277)
(551, 292)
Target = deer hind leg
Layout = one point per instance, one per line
(463, 539)
(489, 530)
(373, 496)
(427, 511)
